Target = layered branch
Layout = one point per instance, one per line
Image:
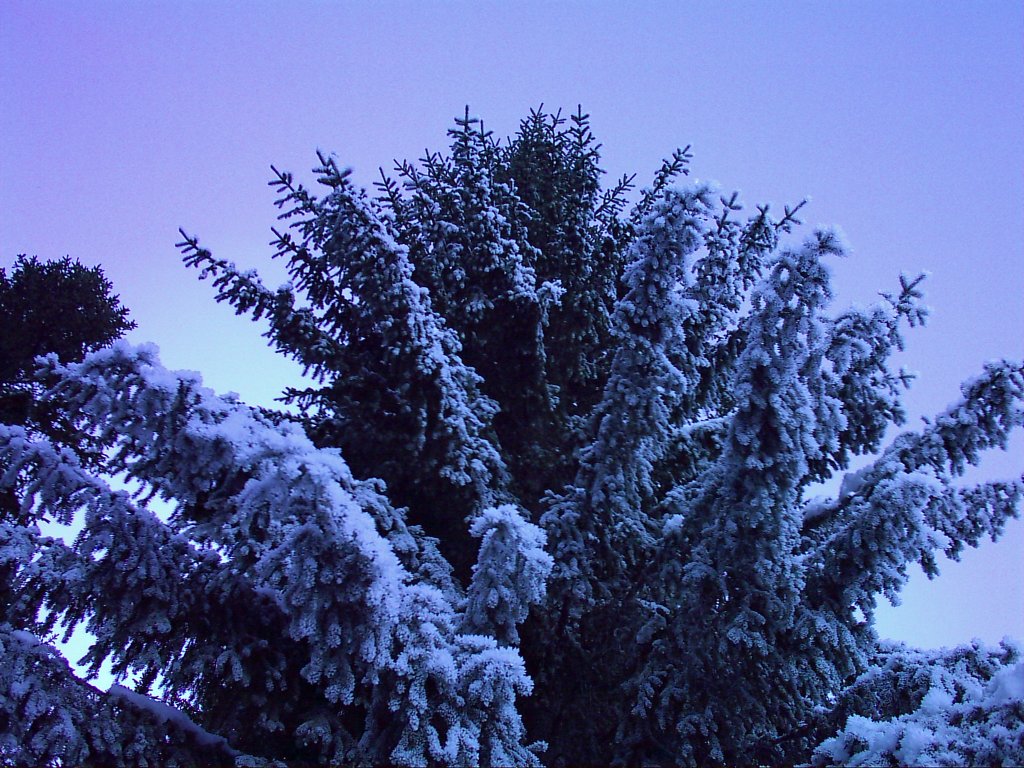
(906, 506)
(281, 516)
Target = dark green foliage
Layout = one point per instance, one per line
(59, 307)
(554, 165)
(51, 307)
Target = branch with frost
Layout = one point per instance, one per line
(600, 525)
(509, 575)
(285, 515)
(49, 716)
(905, 506)
(157, 604)
(956, 707)
(296, 331)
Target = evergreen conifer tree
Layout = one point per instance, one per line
(551, 497)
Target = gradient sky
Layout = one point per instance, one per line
(902, 121)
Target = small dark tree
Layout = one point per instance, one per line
(554, 479)
(53, 307)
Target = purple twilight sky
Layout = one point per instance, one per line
(902, 122)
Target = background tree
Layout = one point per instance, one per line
(52, 307)
(59, 307)
(557, 477)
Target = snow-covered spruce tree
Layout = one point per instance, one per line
(556, 479)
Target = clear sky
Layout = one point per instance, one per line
(902, 121)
